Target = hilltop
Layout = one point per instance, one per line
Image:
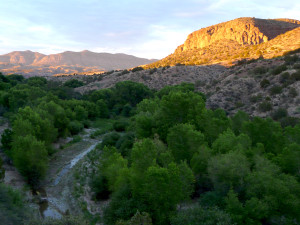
(34, 63)
(242, 38)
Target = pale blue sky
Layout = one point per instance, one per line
(150, 29)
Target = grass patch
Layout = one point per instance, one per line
(106, 125)
(102, 123)
(76, 139)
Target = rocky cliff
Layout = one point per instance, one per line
(244, 31)
(228, 42)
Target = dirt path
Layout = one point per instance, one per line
(56, 197)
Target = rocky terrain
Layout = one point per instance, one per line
(34, 63)
(242, 38)
(259, 87)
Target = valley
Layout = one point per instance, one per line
(207, 135)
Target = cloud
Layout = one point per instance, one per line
(151, 29)
(162, 41)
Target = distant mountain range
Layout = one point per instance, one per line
(242, 38)
(34, 63)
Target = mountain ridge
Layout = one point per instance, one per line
(26, 62)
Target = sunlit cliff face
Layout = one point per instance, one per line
(234, 40)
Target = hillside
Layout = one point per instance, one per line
(242, 38)
(28, 62)
(236, 88)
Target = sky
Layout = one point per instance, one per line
(144, 28)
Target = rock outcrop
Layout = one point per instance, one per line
(229, 42)
(244, 31)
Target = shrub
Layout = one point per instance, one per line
(73, 83)
(99, 185)
(75, 127)
(179, 64)
(279, 113)
(125, 143)
(135, 69)
(239, 104)
(2, 171)
(268, 98)
(293, 92)
(264, 83)
(6, 139)
(275, 90)
(120, 125)
(124, 72)
(279, 69)
(260, 70)
(199, 215)
(110, 139)
(152, 71)
(289, 60)
(256, 98)
(12, 206)
(289, 121)
(126, 110)
(284, 77)
(296, 76)
(138, 219)
(265, 106)
(296, 66)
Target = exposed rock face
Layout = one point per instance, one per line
(244, 31)
(67, 62)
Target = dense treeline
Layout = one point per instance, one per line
(237, 170)
(241, 170)
(42, 111)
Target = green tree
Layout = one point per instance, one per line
(265, 131)
(36, 123)
(163, 191)
(227, 141)
(214, 123)
(103, 109)
(145, 125)
(58, 116)
(250, 212)
(184, 141)
(30, 158)
(237, 121)
(178, 107)
(289, 160)
(37, 81)
(114, 168)
(279, 192)
(292, 134)
(81, 113)
(228, 170)
(130, 92)
(73, 83)
(183, 87)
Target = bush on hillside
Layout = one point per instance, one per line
(279, 69)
